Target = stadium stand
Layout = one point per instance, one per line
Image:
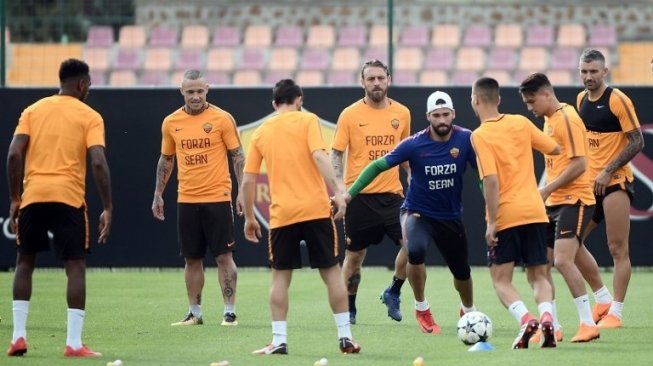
(315, 59)
(346, 59)
(220, 59)
(289, 36)
(321, 36)
(131, 36)
(352, 36)
(226, 36)
(163, 36)
(415, 35)
(508, 35)
(194, 36)
(257, 36)
(310, 78)
(445, 35)
(540, 35)
(571, 35)
(433, 78)
(478, 36)
(439, 59)
(100, 36)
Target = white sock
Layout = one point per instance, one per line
(75, 325)
(195, 310)
(20, 309)
(230, 308)
(518, 310)
(467, 309)
(584, 311)
(279, 332)
(556, 323)
(545, 307)
(422, 305)
(342, 322)
(617, 308)
(602, 296)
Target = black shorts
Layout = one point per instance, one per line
(68, 225)
(369, 217)
(447, 235)
(205, 225)
(626, 186)
(525, 244)
(567, 221)
(319, 236)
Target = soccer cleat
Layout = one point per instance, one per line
(538, 336)
(586, 333)
(600, 311)
(548, 335)
(352, 317)
(349, 346)
(17, 348)
(271, 349)
(229, 320)
(610, 321)
(391, 301)
(190, 319)
(80, 352)
(525, 333)
(426, 322)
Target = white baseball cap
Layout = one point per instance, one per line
(438, 99)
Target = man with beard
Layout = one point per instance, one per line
(432, 210)
(369, 129)
(614, 137)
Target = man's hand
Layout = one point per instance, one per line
(240, 204)
(491, 235)
(157, 208)
(601, 183)
(340, 205)
(13, 215)
(105, 226)
(544, 192)
(252, 230)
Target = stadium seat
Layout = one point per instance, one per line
(321, 36)
(217, 78)
(603, 36)
(380, 54)
(97, 58)
(564, 59)
(445, 35)
(560, 77)
(154, 78)
(409, 58)
(477, 35)
(220, 59)
(433, 78)
(470, 58)
(158, 59)
(379, 36)
(520, 75)
(503, 77)
(571, 35)
(128, 59)
(131, 36)
(508, 35)
(247, 78)
(178, 76)
(289, 35)
(163, 36)
(190, 58)
(315, 59)
(336, 77)
(258, 36)
(533, 58)
(463, 78)
(310, 78)
(284, 58)
(404, 77)
(502, 58)
(634, 63)
(352, 36)
(98, 78)
(539, 35)
(122, 78)
(273, 76)
(346, 58)
(224, 36)
(99, 36)
(194, 36)
(439, 59)
(252, 59)
(414, 35)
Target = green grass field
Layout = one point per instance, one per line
(129, 314)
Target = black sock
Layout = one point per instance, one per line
(395, 287)
(352, 303)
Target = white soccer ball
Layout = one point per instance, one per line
(474, 327)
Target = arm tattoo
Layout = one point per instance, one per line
(336, 161)
(635, 145)
(238, 159)
(163, 171)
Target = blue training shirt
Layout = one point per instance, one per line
(437, 170)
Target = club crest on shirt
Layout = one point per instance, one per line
(207, 127)
(262, 199)
(394, 123)
(454, 152)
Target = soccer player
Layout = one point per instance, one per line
(567, 194)
(432, 210)
(367, 130)
(46, 172)
(615, 138)
(300, 209)
(515, 213)
(200, 134)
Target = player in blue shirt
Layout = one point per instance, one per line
(432, 210)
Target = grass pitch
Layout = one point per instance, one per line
(129, 314)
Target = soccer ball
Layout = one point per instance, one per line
(474, 327)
